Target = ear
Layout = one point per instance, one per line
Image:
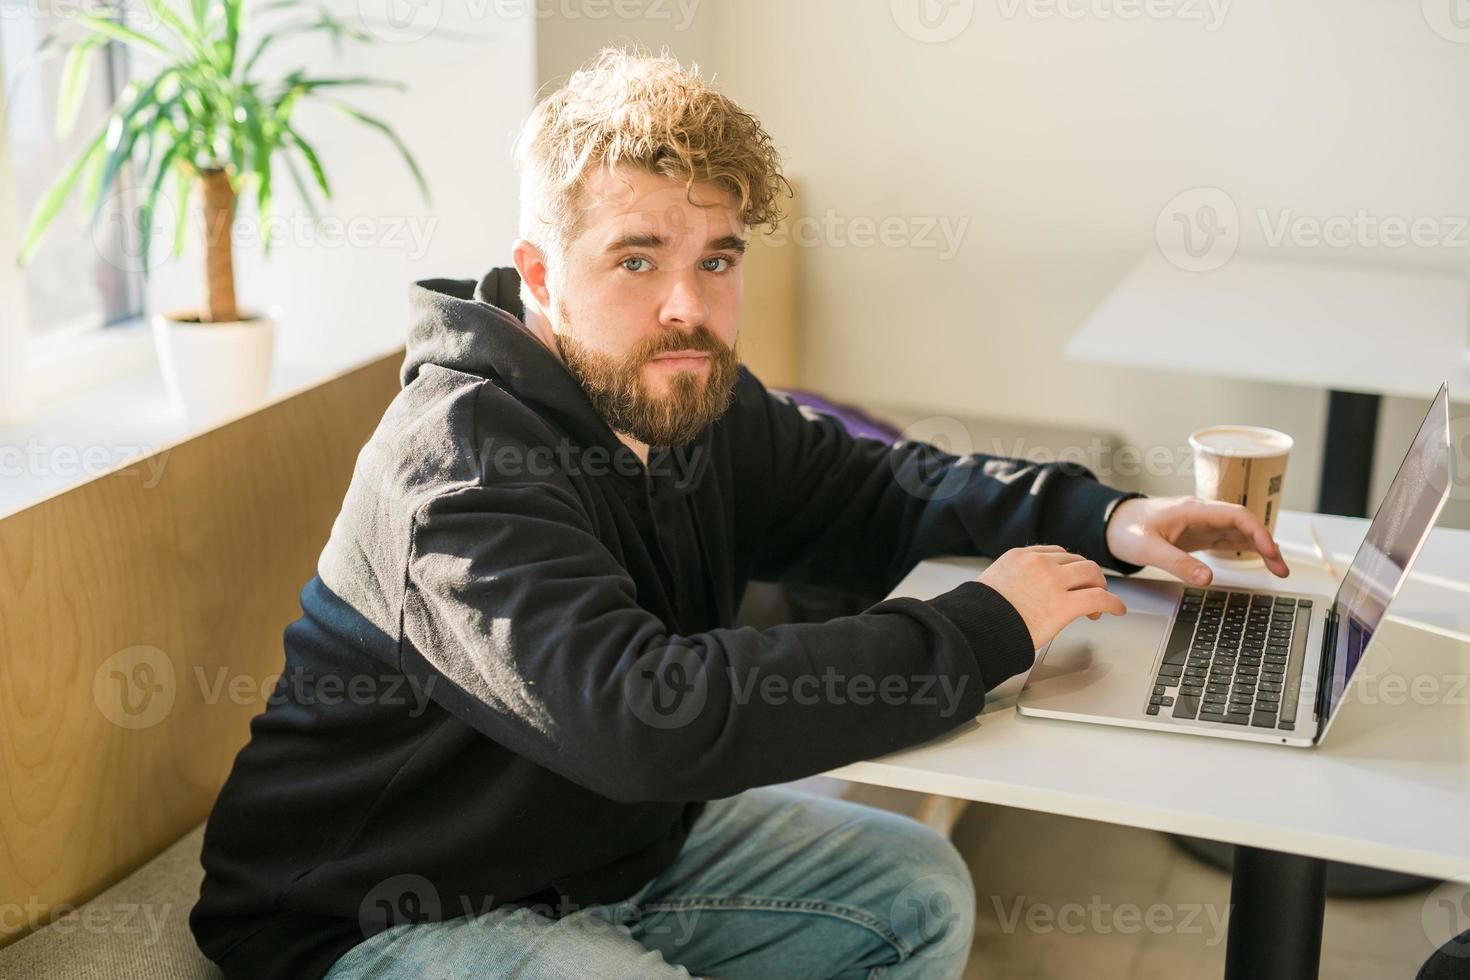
(531, 264)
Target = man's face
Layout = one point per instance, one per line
(646, 305)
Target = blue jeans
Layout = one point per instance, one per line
(771, 884)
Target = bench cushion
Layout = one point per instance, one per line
(136, 930)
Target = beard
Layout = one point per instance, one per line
(617, 390)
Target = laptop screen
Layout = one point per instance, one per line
(1402, 522)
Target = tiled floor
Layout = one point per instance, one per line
(1061, 898)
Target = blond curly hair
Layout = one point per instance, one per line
(632, 108)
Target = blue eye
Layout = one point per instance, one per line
(628, 263)
(705, 265)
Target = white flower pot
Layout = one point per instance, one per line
(215, 370)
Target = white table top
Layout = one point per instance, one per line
(1315, 325)
(1389, 787)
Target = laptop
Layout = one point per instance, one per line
(1262, 666)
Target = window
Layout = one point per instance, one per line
(83, 275)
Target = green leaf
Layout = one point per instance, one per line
(129, 131)
(387, 131)
(265, 42)
(181, 210)
(175, 23)
(237, 149)
(122, 33)
(306, 196)
(234, 14)
(325, 22)
(92, 184)
(74, 76)
(261, 146)
(146, 212)
(160, 125)
(55, 197)
(302, 85)
(311, 158)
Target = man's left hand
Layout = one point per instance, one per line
(1161, 531)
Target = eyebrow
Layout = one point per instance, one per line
(732, 243)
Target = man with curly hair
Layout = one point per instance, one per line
(518, 731)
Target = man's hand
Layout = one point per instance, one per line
(1050, 587)
(1161, 531)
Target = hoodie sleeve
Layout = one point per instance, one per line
(513, 600)
(857, 514)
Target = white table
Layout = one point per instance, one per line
(1357, 332)
(1389, 787)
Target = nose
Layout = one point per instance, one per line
(684, 306)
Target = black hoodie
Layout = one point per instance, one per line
(516, 674)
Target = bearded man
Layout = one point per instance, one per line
(518, 731)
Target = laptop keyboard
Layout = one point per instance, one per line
(1234, 657)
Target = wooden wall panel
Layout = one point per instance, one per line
(140, 627)
(769, 329)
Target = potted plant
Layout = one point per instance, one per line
(202, 115)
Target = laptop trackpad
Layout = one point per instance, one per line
(1105, 667)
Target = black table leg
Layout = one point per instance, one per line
(1347, 453)
(1276, 906)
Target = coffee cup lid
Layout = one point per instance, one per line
(1240, 441)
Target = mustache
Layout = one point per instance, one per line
(700, 339)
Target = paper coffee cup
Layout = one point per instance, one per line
(1241, 464)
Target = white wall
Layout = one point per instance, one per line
(469, 86)
(1059, 139)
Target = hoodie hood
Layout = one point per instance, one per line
(468, 326)
(477, 328)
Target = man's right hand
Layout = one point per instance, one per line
(1050, 587)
